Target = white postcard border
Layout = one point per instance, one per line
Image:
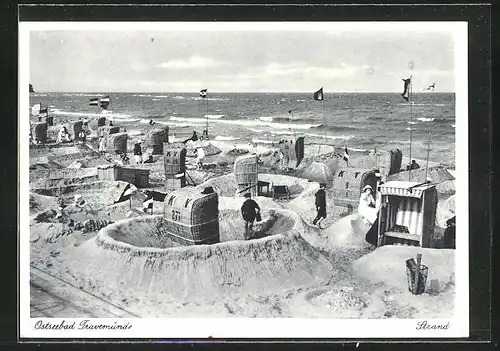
(247, 327)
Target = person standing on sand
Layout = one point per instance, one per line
(138, 152)
(367, 206)
(320, 204)
(250, 211)
(102, 146)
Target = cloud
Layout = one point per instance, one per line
(192, 62)
(312, 72)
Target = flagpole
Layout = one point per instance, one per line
(427, 161)
(207, 113)
(411, 122)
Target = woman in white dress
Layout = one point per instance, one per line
(367, 207)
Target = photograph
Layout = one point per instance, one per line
(243, 179)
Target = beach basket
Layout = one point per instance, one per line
(174, 160)
(411, 268)
(40, 131)
(155, 140)
(246, 174)
(119, 142)
(106, 131)
(49, 120)
(348, 185)
(192, 218)
(77, 128)
(138, 177)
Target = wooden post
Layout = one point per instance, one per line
(417, 274)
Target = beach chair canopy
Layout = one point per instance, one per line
(405, 189)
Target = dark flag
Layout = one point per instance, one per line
(105, 99)
(431, 87)
(346, 155)
(94, 102)
(406, 91)
(44, 112)
(203, 93)
(319, 95)
(290, 111)
(104, 104)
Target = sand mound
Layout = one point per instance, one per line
(446, 187)
(436, 175)
(445, 210)
(40, 203)
(224, 185)
(272, 263)
(207, 147)
(387, 265)
(304, 205)
(317, 172)
(96, 194)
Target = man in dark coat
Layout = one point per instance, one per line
(449, 233)
(320, 204)
(250, 211)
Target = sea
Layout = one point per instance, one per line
(361, 121)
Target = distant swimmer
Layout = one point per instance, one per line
(193, 137)
(320, 204)
(151, 122)
(250, 211)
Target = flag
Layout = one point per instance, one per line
(346, 155)
(35, 110)
(203, 93)
(406, 91)
(431, 87)
(179, 175)
(104, 104)
(44, 112)
(105, 99)
(319, 95)
(94, 102)
(290, 111)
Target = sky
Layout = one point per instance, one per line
(235, 60)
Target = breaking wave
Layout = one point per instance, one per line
(250, 123)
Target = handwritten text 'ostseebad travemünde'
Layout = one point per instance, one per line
(85, 324)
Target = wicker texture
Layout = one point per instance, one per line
(40, 131)
(348, 185)
(119, 142)
(77, 128)
(387, 161)
(174, 160)
(155, 140)
(106, 131)
(192, 217)
(138, 177)
(107, 172)
(247, 174)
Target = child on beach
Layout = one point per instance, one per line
(138, 152)
(320, 204)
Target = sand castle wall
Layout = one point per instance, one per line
(275, 262)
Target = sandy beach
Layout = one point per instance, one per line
(296, 270)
